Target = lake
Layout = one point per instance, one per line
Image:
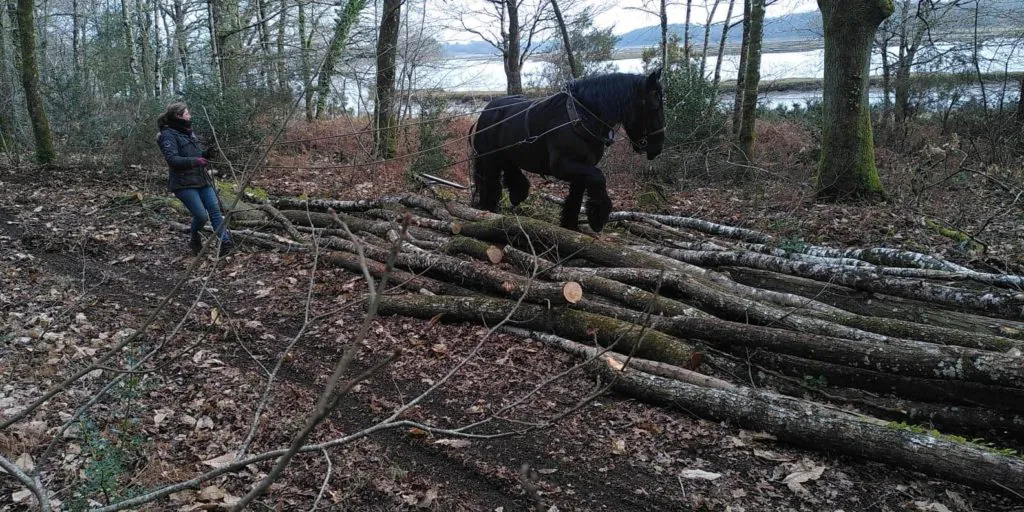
(487, 73)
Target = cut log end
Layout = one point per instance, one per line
(572, 291)
(495, 254)
(456, 228)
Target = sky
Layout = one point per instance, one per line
(626, 15)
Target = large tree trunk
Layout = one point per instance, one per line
(227, 39)
(513, 62)
(385, 119)
(686, 36)
(180, 52)
(305, 65)
(663, 17)
(30, 83)
(751, 79)
(741, 73)
(347, 19)
(847, 168)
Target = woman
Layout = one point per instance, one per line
(188, 178)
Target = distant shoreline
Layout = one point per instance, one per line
(782, 85)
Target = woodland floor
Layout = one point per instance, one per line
(81, 263)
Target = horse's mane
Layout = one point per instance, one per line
(608, 95)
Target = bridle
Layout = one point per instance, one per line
(576, 120)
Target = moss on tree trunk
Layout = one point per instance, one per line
(30, 82)
(847, 168)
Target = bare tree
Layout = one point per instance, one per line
(751, 79)
(515, 28)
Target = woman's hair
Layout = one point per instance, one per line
(173, 110)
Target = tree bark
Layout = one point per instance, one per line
(623, 337)
(347, 19)
(686, 37)
(6, 88)
(663, 17)
(45, 153)
(815, 426)
(281, 59)
(574, 70)
(385, 121)
(751, 79)
(847, 168)
(513, 44)
(721, 44)
(305, 65)
(707, 38)
(129, 45)
(741, 73)
(144, 16)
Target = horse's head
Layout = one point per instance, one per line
(646, 128)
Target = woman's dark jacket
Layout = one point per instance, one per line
(181, 149)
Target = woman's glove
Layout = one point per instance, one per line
(201, 162)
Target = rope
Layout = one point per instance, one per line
(371, 130)
(528, 140)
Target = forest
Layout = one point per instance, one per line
(249, 260)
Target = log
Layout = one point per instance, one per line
(899, 357)
(819, 427)
(412, 282)
(379, 228)
(893, 315)
(525, 232)
(626, 338)
(992, 302)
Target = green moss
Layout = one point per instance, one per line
(964, 239)
(227, 190)
(979, 443)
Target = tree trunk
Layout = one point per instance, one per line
(707, 38)
(159, 80)
(263, 30)
(1020, 102)
(737, 105)
(282, 68)
(751, 79)
(574, 70)
(76, 30)
(847, 167)
(305, 65)
(721, 44)
(6, 89)
(385, 121)
(624, 337)
(145, 18)
(129, 44)
(887, 106)
(686, 37)
(663, 17)
(180, 54)
(513, 67)
(30, 83)
(347, 19)
(819, 427)
(227, 41)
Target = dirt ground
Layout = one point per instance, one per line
(83, 262)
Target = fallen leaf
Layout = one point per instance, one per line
(796, 478)
(428, 498)
(21, 496)
(434, 320)
(772, 456)
(212, 493)
(454, 443)
(699, 474)
(26, 463)
(219, 462)
(924, 506)
(618, 447)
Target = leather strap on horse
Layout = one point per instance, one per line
(577, 120)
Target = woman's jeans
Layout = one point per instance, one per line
(202, 203)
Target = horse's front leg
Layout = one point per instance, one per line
(587, 178)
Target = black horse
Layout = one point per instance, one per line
(565, 136)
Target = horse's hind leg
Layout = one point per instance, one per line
(486, 184)
(517, 183)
